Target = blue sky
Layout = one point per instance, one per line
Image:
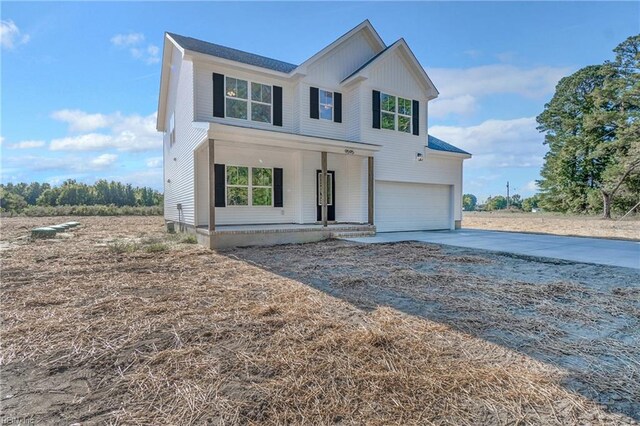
(80, 80)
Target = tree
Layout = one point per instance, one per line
(592, 128)
(469, 202)
(530, 203)
(11, 202)
(496, 203)
(515, 201)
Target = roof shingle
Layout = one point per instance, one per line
(440, 145)
(231, 54)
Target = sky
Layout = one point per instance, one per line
(80, 81)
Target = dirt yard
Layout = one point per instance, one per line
(549, 223)
(120, 323)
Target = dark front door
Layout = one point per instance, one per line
(331, 184)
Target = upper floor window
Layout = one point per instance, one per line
(326, 104)
(240, 105)
(395, 113)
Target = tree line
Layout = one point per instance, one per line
(592, 128)
(15, 198)
(499, 202)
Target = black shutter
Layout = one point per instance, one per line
(277, 106)
(277, 188)
(218, 95)
(416, 117)
(314, 102)
(376, 109)
(221, 193)
(337, 107)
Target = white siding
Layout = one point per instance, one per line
(204, 96)
(412, 206)
(350, 190)
(179, 159)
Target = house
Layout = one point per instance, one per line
(260, 151)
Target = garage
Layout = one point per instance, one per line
(401, 206)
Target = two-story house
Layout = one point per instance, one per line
(260, 151)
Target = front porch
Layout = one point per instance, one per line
(257, 187)
(226, 236)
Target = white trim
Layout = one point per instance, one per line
(320, 104)
(249, 186)
(249, 101)
(396, 113)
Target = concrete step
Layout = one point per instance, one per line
(352, 234)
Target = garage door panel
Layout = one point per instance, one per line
(411, 206)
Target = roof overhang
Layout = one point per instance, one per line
(271, 138)
(401, 47)
(165, 76)
(449, 154)
(204, 58)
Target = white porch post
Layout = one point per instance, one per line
(323, 185)
(212, 186)
(370, 190)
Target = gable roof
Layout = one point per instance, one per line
(440, 145)
(401, 45)
(231, 54)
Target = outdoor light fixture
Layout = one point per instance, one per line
(419, 156)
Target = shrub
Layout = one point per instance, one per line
(123, 247)
(190, 239)
(97, 210)
(156, 248)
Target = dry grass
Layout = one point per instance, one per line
(189, 336)
(547, 223)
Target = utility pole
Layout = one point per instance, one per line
(507, 195)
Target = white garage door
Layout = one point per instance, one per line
(412, 206)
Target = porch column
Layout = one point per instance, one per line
(211, 187)
(370, 188)
(323, 185)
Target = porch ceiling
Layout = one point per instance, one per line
(240, 134)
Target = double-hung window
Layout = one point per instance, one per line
(395, 113)
(257, 107)
(249, 186)
(326, 104)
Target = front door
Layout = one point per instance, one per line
(331, 205)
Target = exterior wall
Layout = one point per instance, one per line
(350, 191)
(203, 80)
(180, 172)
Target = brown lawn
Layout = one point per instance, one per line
(120, 323)
(547, 223)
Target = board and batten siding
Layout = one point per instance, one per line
(179, 179)
(203, 80)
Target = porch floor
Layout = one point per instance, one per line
(286, 227)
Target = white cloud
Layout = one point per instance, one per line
(28, 144)
(123, 132)
(104, 161)
(134, 42)
(1, 140)
(80, 121)
(532, 186)
(473, 53)
(86, 142)
(154, 162)
(497, 143)
(461, 88)
(11, 36)
(127, 39)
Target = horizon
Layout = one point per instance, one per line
(88, 113)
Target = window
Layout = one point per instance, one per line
(172, 131)
(261, 186)
(326, 104)
(395, 113)
(242, 187)
(237, 186)
(238, 104)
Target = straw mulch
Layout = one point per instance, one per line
(99, 328)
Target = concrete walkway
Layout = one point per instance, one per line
(578, 249)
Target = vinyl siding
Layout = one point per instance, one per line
(180, 171)
(204, 96)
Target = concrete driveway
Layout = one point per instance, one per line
(578, 249)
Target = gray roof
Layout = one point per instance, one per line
(231, 54)
(440, 145)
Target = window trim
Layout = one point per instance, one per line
(249, 186)
(248, 100)
(320, 104)
(396, 113)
